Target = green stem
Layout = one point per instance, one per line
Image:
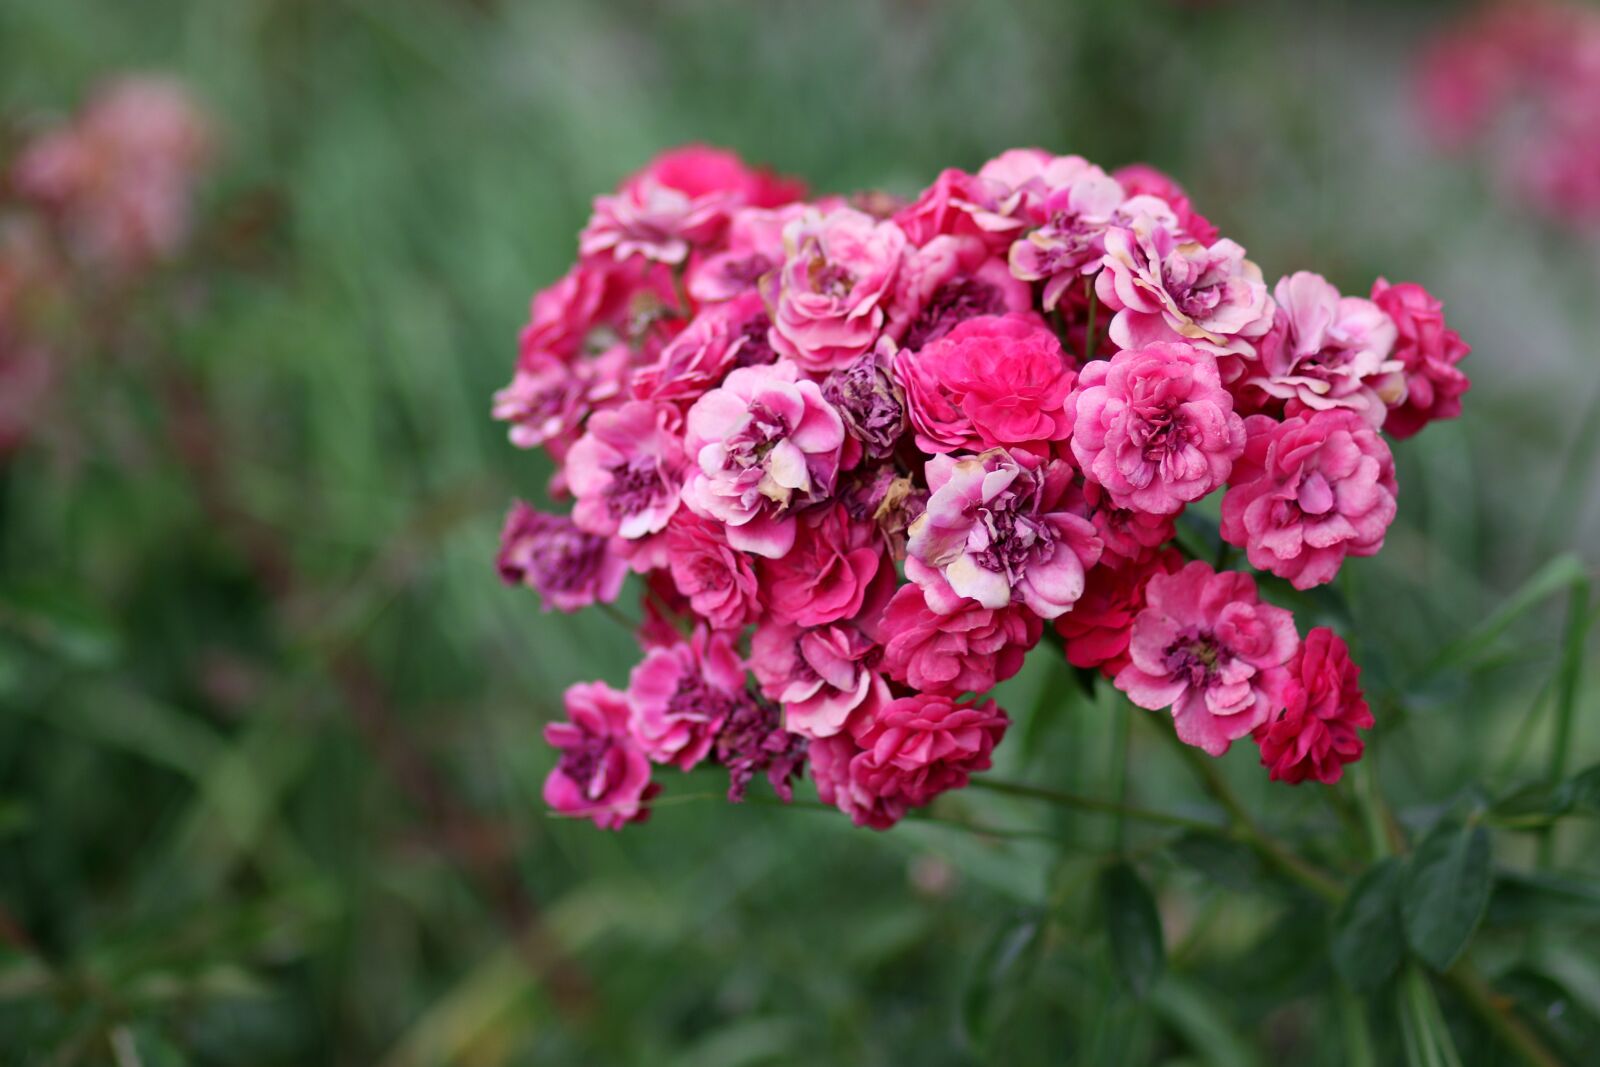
(1495, 1010)
(1120, 730)
(1095, 804)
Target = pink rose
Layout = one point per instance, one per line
(945, 283)
(823, 676)
(568, 567)
(1207, 648)
(1096, 631)
(1428, 352)
(1071, 242)
(1129, 536)
(601, 774)
(1314, 736)
(1166, 288)
(915, 748)
(1141, 179)
(681, 694)
(1326, 351)
(832, 295)
(626, 470)
(993, 381)
(826, 576)
(753, 250)
(1308, 492)
(718, 580)
(1155, 427)
(832, 761)
(971, 649)
(994, 529)
(754, 741)
(959, 204)
(870, 401)
(766, 444)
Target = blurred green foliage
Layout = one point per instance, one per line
(269, 726)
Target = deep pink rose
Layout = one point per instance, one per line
(1326, 351)
(765, 444)
(1308, 492)
(754, 249)
(831, 297)
(720, 338)
(971, 649)
(719, 580)
(832, 761)
(823, 675)
(945, 283)
(1128, 536)
(1095, 632)
(1155, 427)
(602, 774)
(626, 470)
(959, 204)
(827, 574)
(681, 694)
(1164, 287)
(1207, 648)
(569, 568)
(1428, 352)
(1315, 735)
(922, 745)
(995, 530)
(993, 381)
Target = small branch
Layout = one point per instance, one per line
(1094, 804)
(1498, 1014)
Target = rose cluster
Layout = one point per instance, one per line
(863, 451)
(1521, 78)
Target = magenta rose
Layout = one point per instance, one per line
(922, 745)
(569, 568)
(601, 774)
(718, 580)
(823, 676)
(753, 741)
(1314, 736)
(766, 444)
(831, 297)
(1326, 351)
(1428, 352)
(718, 339)
(833, 761)
(993, 381)
(681, 694)
(995, 530)
(626, 471)
(959, 204)
(1128, 536)
(1154, 427)
(945, 283)
(826, 576)
(1309, 491)
(968, 650)
(1208, 649)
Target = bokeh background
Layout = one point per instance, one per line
(269, 723)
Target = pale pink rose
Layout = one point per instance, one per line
(992, 381)
(569, 568)
(1027, 177)
(1164, 287)
(971, 649)
(1208, 649)
(679, 202)
(1428, 352)
(948, 281)
(1071, 243)
(719, 581)
(753, 741)
(1154, 427)
(994, 530)
(827, 575)
(1141, 179)
(822, 675)
(765, 445)
(831, 298)
(601, 774)
(681, 694)
(119, 180)
(1309, 491)
(1314, 736)
(1326, 351)
(754, 249)
(720, 338)
(626, 470)
(1096, 631)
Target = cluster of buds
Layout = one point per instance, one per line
(862, 452)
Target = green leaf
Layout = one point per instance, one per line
(59, 621)
(1447, 884)
(1368, 942)
(1003, 967)
(1564, 572)
(1134, 926)
(1225, 861)
(1526, 897)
